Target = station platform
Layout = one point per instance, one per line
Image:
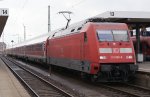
(144, 66)
(9, 85)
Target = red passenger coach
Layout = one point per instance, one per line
(33, 49)
(98, 50)
(103, 51)
(144, 45)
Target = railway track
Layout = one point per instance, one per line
(37, 85)
(119, 90)
(128, 89)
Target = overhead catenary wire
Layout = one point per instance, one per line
(25, 2)
(22, 8)
(77, 4)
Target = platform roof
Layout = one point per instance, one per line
(129, 17)
(3, 18)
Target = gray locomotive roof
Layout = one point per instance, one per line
(43, 38)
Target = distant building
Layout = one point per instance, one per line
(2, 47)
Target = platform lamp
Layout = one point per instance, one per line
(12, 42)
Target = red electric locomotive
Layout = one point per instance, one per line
(103, 51)
(99, 50)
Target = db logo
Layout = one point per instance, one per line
(116, 50)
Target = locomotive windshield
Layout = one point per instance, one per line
(105, 35)
(112, 35)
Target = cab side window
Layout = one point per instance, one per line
(85, 37)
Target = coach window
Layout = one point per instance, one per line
(41, 46)
(32, 48)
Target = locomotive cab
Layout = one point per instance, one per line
(116, 57)
(115, 46)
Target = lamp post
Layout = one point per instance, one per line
(12, 45)
(16, 35)
(12, 42)
(49, 22)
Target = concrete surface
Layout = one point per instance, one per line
(144, 66)
(9, 85)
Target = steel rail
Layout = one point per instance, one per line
(33, 92)
(140, 87)
(125, 89)
(119, 90)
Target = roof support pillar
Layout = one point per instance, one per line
(138, 41)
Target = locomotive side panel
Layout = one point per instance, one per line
(67, 51)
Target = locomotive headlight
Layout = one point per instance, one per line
(129, 57)
(102, 57)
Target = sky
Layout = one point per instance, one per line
(33, 14)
